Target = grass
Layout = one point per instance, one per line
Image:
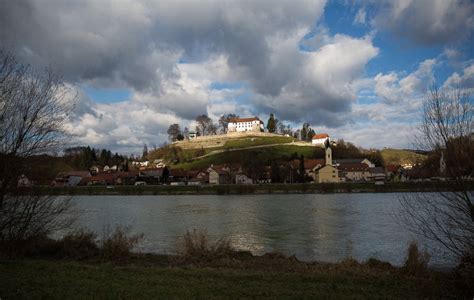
(398, 156)
(64, 279)
(266, 155)
(213, 269)
(256, 141)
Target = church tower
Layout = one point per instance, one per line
(328, 157)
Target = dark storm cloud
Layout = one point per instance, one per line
(428, 22)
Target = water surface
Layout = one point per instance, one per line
(322, 227)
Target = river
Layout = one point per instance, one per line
(314, 227)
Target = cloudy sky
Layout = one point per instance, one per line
(355, 69)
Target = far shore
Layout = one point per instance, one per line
(236, 189)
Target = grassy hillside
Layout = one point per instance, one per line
(265, 155)
(397, 156)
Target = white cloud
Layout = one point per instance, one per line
(393, 89)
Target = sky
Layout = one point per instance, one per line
(358, 70)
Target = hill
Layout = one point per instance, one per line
(264, 148)
(401, 157)
(235, 147)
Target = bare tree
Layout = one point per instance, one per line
(205, 125)
(446, 217)
(34, 109)
(173, 132)
(224, 121)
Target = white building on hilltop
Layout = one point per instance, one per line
(320, 139)
(245, 124)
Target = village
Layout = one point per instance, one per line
(295, 170)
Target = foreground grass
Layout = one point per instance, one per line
(252, 277)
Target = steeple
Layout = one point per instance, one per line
(328, 157)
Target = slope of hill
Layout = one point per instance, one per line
(400, 157)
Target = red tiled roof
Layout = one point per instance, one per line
(240, 120)
(356, 167)
(392, 168)
(320, 136)
(308, 163)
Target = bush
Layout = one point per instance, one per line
(198, 247)
(416, 262)
(118, 244)
(80, 244)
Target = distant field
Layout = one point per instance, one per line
(397, 156)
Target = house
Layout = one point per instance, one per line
(101, 179)
(151, 176)
(178, 175)
(354, 161)
(159, 163)
(197, 177)
(71, 178)
(327, 173)
(245, 124)
(377, 174)
(319, 139)
(222, 174)
(217, 176)
(242, 178)
(23, 181)
(310, 165)
(192, 135)
(355, 171)
(94, 170)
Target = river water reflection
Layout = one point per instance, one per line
(323, 227)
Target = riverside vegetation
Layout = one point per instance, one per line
(80, 265)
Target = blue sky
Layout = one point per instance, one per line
(357, 70)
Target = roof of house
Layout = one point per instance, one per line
(325, 166)
(309, 164)
(377, 170)
(353, 167)
(240, 120)
(348, 161)
(320, 136)
(392, 168)
(74, 173)
(178, 173)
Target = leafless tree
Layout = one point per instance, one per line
(205, 125)
(173, 132)
(224, 121)
(446, 217)
(34, 108)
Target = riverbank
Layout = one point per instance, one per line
(151, 276)
(238, 189)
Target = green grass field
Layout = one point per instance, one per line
(256, 141)
(266, 155)
(34, 279)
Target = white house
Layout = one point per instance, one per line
(320, 139)
(245, 124)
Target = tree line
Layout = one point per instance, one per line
(85, 157)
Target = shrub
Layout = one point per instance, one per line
(198, 247)
(416, 262)
(80, 244)
(118, 244)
